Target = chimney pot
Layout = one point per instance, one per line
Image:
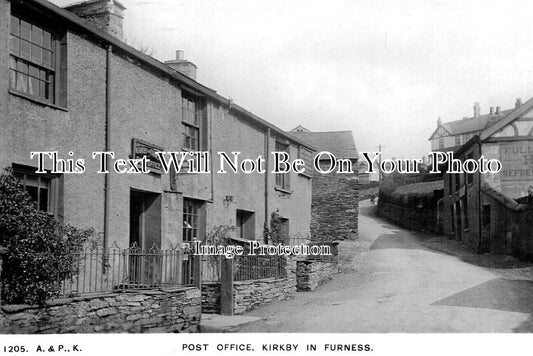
(477, 110)
(180, 64)
(518, 103)
(497, 110)
(491, 112)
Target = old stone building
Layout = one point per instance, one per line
(493, 211)
(70, 85)
(335, 203)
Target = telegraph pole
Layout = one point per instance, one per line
(380, 146)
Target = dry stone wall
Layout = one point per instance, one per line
(155, 311)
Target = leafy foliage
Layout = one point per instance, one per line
(276, 233)
(40, 249)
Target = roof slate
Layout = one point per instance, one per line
(473, 124)
(340, 143)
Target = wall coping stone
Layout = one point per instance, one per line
(14, 308)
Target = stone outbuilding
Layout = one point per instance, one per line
(335, 204)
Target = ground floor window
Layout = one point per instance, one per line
(245, 224)
(191, 210)
(42, 188)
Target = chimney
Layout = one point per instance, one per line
(518, 103)
(107, 15)
(182, 65)
(477, 110)
(491, 112)
(497, 110)
(439, 121)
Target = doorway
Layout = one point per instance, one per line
(145, 238)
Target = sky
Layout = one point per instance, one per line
(384, 69)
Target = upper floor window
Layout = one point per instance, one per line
(458, 140)
(190, 108)
(34, 61)
(441, 143)
(282, 179)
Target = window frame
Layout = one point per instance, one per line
(245, 224)
(56, 88)
(53, 204)
(196, 126)
(282, 180)
(192, 219)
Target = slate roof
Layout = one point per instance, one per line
(473, 124)
(340, 143)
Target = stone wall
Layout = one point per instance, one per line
(211, 297)
(334, 208)
(312, 273)
(247, 295)
(157, 311)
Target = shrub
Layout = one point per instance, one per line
(40, 249)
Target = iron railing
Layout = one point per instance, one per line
(131, 268)
(249, 267)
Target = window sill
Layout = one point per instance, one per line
(279, 189)
(36, 100)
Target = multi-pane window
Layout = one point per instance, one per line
(32, 60)
(190, 220)
(458, 140)
(191, 122)
(441, 143)
(282, 179)
(39, 187)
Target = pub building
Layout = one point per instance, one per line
(70, 84)
(492, 212)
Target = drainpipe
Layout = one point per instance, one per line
(479, 217)
(107, 183)
(267, 174)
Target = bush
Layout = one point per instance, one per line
(40, 250)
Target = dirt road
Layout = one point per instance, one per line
(396, 284)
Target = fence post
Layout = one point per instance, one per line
(3, 251)
(226, 286)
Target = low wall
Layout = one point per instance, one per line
(154, 311)
(249, 294)
(312, 273)
(211, 297)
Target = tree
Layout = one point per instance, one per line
(41, 251)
